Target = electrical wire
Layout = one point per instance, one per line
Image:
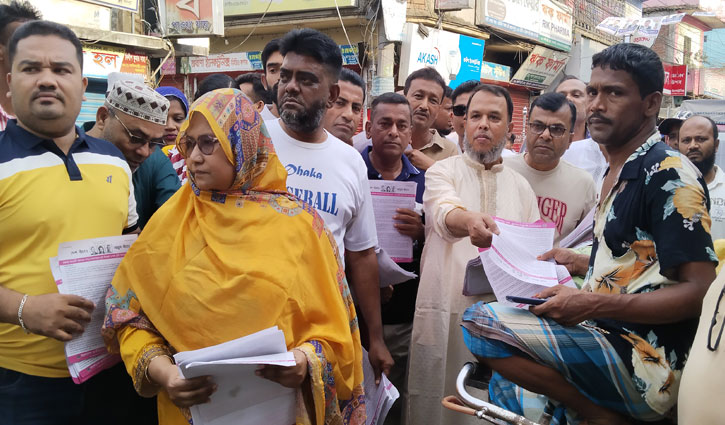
(252, 31)
(342, 24)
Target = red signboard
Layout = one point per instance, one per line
(675, 80)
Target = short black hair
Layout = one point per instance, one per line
(553, 102)
(15, 12)
(312, 43)
(255, 79)
(353, 77)
(715, 131)
(271, 47)
(447, 93)
(389, 98)
(463, 88)
(496, 91)
(427, 73)
(640, 62)
(45, 28)
(213, 82)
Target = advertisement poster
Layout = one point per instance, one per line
(456, 57)
(675, 80)
(540, 68)
(98, 63)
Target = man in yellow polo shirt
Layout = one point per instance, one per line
(56, 185)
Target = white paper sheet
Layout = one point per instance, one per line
(242, 398)
(583, 233)
(378, 398)
(389, 272)
(387, 196)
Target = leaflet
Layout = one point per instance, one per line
(583, 233)
(387, 196)
(86, 268)
(378, 398)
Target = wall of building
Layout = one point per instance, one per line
(582, 50)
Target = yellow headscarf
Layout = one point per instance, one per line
(214, 266)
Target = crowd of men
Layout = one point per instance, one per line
(587, 145)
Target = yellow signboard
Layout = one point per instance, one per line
(257, 7)
(131, 5)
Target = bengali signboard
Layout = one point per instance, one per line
(543, 21)
(232, 62)
(258, 7)
(99, 62)
(189, 18)
(349, 54)
(495, 72)
(540, 68)
(675, 80)
(456, 57)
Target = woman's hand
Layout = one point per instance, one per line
(182, 392)
(287, 376)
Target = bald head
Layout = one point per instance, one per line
(698, 140)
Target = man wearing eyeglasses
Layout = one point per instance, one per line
(564, 192)
(133, 119)
(460, 98)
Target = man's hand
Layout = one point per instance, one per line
(481, 228)
(567, 306)
(576, 264)
(58, 316)
(182, 392)
(380, 359)
(410, 224)
(386, 294)
(287, 376)
(420, 160)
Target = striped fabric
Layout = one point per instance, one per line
(178, 161)
(4, 117)
(580, 353)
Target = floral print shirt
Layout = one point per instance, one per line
(655, 219)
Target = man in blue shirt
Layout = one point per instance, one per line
(389, 128)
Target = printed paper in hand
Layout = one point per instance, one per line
(389, 195)
(378, 398)
(510, 265)
(242, 398)
(86, 268)
(582, 235)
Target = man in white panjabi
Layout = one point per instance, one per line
(462, 194)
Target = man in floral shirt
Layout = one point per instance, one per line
(616, 349)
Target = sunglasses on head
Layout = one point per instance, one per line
(459, 110)
(205, 142)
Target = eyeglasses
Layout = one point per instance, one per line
(137, 140)
(459, 110)
(713, 323)
(555, 130)
(205, 143)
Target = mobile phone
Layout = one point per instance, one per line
(525, 300)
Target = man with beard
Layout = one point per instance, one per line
(698, 140)
(613, 352)
(327, 173)
(462, 193)
(271, 62)
(424, 90)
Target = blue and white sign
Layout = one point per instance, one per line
(458, 58)
(349, 54)
(495, 72)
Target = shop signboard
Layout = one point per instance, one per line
(456, 57)
(98, 62)
(232, 62)
(349, 54)
(191, 18)
(258, 7)
(543, 21)
(675, 80)
(495, 72)
(540, 68)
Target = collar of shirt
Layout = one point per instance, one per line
(4, 114)
(718, 180)
(406, 172)
(16, 132)
(434, 140)
(633, 165)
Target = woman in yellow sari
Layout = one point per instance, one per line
(244, 256)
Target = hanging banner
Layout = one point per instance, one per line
(99, 62)
(647, 34)
(349, 54)
(456, 57)
(675, 80)
(189, 18)
(540, 68)
(619, 26)
(543, 21)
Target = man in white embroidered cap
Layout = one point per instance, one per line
(132, 118)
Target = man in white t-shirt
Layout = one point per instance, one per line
(326, 172)
(564, 192)
(698, 139)
(583, 152)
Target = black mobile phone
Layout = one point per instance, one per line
(525, 300)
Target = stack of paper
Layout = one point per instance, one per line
(582, 235)
(86, 268)
(510, 266)
(242, 398)
(387, 197)
(378, 398)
